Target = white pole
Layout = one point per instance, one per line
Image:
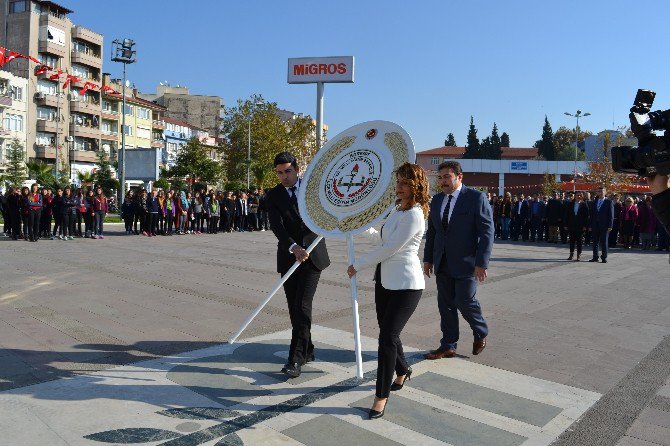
(272, 293)
(354, 307)
(319, 114)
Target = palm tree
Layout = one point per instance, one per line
(85, 178)
(40, 172)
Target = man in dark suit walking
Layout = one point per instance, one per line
(293, 236)
(458, 247)
(576, 221)
(519, 219)
(602, 219)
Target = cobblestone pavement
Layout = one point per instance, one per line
(123, 340)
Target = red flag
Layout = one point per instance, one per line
(108, 90)
(3, 55)
(55, 76)
(41, 69)
(87, 86)
(12, 55)
(70, 78)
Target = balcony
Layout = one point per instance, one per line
(85, 107)
(85, 132)
(5, 100)
(79, 32)
(45, 152)
(44, 125)
(47, 46)
(157, 143)
(89, 59)
(53, 18)
(110, 114)
(109, 135)
(83, 156)
(4, 133)
(92, 79)
(49, 100)
(157, 124)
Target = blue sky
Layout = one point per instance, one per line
(426, 65)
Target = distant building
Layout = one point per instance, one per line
(593, 144)
(177, 133)
(13, 109)
(517, 171)
(202, 111)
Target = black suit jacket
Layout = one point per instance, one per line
(576, 222)
(289, 228)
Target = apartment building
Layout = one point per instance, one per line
(56, 117)
(13, 116)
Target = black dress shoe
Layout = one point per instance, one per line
(570, 258)
(291, 369)
(374, 414)
(595, 259)
(408, 376)
(604, 260)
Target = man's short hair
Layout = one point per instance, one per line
(455, 166)
(286, 157)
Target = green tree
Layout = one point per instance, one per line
(41, 172)
(549, 184)
(472, 149)
(85, 178)
(194, 164)
(485, 148)
(161, 183)
(103, 176)
(564, 143)
(450, 141)
(504, 140)
(269, 135)
(15, 173)
(495, 151)
(545, 146)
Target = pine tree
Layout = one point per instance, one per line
(472, 150)
(450, 141)
(495, 153)
(16, 164)
(103, 176)
(545, 146)
(504, 140)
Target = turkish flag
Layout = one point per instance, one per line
(108, 90)
(41, 69)
(55, 76)
(87, 86)
(70, 78)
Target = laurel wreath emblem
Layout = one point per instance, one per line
(398, 148)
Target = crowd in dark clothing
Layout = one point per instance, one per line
(179, 212)
(28, 213)
(557, 219)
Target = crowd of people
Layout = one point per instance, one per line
(565, 217)
(38, 213)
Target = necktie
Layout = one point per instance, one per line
(294, 197)
(445, 216)
(600, 203)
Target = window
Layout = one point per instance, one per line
(143, 113)
(128, 130)
(18, 6)
(129, 110)
(85, 48)
(48, 59)
(16, 93)
(47, 87)
(81, 71)
(110, 127)
(434, 160)
(171, 147)
(82, 143)
(45, 139)
(52, 35)
(110, 107)
(14, 123)
(46, 113)
(143, 132)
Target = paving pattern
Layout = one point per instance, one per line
(235, 395)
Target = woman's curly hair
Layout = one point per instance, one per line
(417, 180)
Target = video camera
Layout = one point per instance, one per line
(652, 156)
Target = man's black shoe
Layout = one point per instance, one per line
(595, 259)
(604, 260)
(291, 369)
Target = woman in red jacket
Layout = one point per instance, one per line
(628, 221)
(99, 212)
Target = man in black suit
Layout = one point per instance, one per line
(576, 221)
(519, 219)
(602, 219)
(293, 236)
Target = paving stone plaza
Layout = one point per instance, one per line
(124, 341)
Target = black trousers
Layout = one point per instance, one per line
(34, 223)
(394, 308)
(153, 222)
(213, 226)
(576, 240)
(300, 289)
(599, 239)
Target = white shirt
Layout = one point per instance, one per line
(297, 188)
(454, 195)
(576, 207)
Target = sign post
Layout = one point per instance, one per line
(320, 70)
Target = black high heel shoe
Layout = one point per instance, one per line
(408, 376)
(373, 414)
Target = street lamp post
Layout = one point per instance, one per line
(576, 115)
(255, 104)
(122, 51)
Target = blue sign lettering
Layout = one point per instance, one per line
(519, 165)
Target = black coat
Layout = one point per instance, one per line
(289, 228)
(519, 217)
(576, 222)
(554, 212)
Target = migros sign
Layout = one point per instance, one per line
(307, 70)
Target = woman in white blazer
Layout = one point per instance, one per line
(399, 278)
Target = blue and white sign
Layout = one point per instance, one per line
(519, 165)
